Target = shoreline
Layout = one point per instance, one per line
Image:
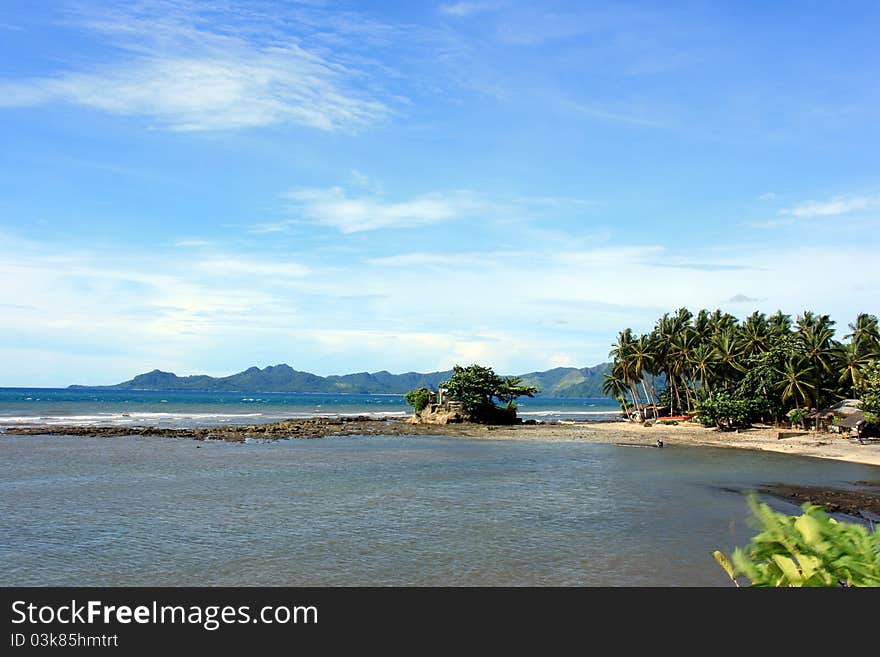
(825, 445)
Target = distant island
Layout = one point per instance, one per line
(556, 382)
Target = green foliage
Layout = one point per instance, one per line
(700, 358)
(727, 411)
(812, 549)
(868, 389)
(477, 387)
(798, 416)
(418, 398)
(511, 388)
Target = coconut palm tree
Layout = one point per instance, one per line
(721, 322)
(683, 345)
(755, 335)
(810, 321)
(796, 382)
(852, 359)
(614, 386)
(642, 362)
(865, 334)
(780, 323)
(622, 354)
(728, 354)
(666, 330)
(703, 363)
(702, 326)
(820, 350)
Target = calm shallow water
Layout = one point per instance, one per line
(386, 510)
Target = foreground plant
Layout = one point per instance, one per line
(812, 549)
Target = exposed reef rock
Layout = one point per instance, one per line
(317, 427)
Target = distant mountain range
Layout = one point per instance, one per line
(558, 382)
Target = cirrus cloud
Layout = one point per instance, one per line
(187, 78)
(834, 206)
(334, 207)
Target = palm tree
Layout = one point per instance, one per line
(622, 354)
(656, 363)
(810, 321)
(727, 353)
(665, 330)
(683, 345)
(852, 360)
(755, 335)
(820, 351)
(642, 361)
(703, 362)
(780, 323)
(865, 334)
(614, 386)
(721, 322)
(702, 326)
(796, 381)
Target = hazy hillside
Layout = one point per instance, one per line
(569, 381)
(558, 382)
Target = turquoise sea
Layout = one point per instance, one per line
(54, 406)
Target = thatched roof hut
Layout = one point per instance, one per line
(852, 421)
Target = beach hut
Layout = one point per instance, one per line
(852, 425)
(830, 418)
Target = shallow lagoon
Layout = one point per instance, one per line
(379, 511)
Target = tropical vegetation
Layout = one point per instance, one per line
(478, 388)
(418, 399)
(812, 549)
(733, 372)
(868, 389)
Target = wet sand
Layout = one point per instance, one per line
(822, 445)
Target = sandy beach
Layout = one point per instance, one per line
(823, 445)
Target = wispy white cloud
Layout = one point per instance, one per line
(365, 182)
(770, 224)
(627, 117)
(555, 201)
(365, 206)
(440, 260)
(835, 206)
(767, 196)
(236, 266)
(606, 256)
(335, 208)
(461, 9)
(186, 78)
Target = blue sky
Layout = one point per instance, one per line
(206, 186)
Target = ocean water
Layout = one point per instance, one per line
(384, 510)
(62, 406)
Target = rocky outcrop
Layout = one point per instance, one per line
(437, 417)
(446, 413)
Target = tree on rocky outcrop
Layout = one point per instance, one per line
(477, 388)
